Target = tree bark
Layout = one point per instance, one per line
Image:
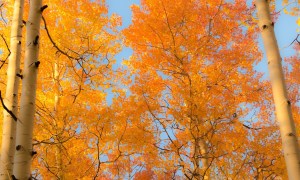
(24, 151)
(200, 160)
(11, 96)
(282, 104)
(203, 151)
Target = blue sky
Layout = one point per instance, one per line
(285, 29)
(122, 8)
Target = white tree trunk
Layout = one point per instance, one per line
(282, 104)
(23, 155)
(200, 157)
(11, 96)
(58, 155)
(203, 151)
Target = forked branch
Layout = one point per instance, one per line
(3, 61)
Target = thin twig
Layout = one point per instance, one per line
(284, 7)
(296, 39)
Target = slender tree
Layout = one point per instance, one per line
(59, 146)
(11, 96)
(24, 151)
(282, 104)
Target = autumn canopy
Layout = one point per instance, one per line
(187, 104)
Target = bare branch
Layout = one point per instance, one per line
(295, 40)
(53, 43)
(6, 109)
(6, 44)
(248, 127)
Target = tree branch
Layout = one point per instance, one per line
(6, 109)
(295, 40)
(248, 127)
(3, 62)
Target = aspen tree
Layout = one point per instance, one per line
(190, 69)
(11, 96)
(59, 147)
(282, 104)
(24, 151)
